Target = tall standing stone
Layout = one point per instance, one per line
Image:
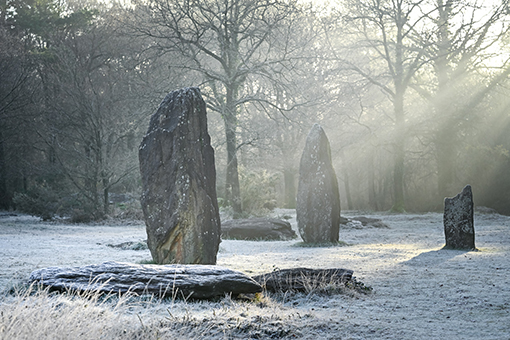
(458, 222)
(318, 199)
(179, 182)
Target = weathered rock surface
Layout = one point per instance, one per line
(141, 245)
(458, 222)
(360, 222)
(302, 279)
(179, 182)
(318, 199)
(267, 229)
(182, 281)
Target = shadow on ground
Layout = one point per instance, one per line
(435, 256)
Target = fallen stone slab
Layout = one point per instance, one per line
(141, 245)
(266, 229)
(303, 279)
(361, 221)
(182, 281)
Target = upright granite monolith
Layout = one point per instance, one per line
(318, 199)
(458, 222)
(179, 182)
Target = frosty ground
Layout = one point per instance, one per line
(420, 291)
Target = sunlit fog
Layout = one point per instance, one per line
(412, 95)
(254, 169)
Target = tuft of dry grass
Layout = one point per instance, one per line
(36, 313)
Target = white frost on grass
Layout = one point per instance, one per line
(420, 291)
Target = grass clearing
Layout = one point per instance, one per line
(36, 313)
(420, 291)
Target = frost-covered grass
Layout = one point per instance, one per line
(420, 291)
(36, 313)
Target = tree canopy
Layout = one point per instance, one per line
(412, 94)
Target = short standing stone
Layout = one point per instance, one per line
(318, 199)
(179, 182)
(458, 220)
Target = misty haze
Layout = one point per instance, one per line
(413, 96)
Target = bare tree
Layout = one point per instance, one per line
(239, 48)
(463, 38)
(91, 116)
(17, 98)
(386, 56)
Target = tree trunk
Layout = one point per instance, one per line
(91, 178)
(398, 106)
(399, 150)
(347, 182)
(289, 178)
(398, 178)
(444, 134)
(4, 196)
(106, 200)
(347, 190)
(445, 155)
(232, 189)
(372, 199)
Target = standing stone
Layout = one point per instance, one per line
(179, 182)
(318, 199)
(459, 228)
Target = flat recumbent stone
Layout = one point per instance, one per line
(182, 281)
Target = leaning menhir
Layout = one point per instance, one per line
(458, 222)
(318, 199)
(179, 182)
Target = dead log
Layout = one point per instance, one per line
(188, 281)
(303, 279)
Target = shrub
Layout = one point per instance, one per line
(40, 201)
(45, 202)
(130, 210)
(258, 191)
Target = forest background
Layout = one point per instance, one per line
(413, 95)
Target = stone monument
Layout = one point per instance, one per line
(171, 280)
(318, 199)
(179, 182)
(458, 222)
